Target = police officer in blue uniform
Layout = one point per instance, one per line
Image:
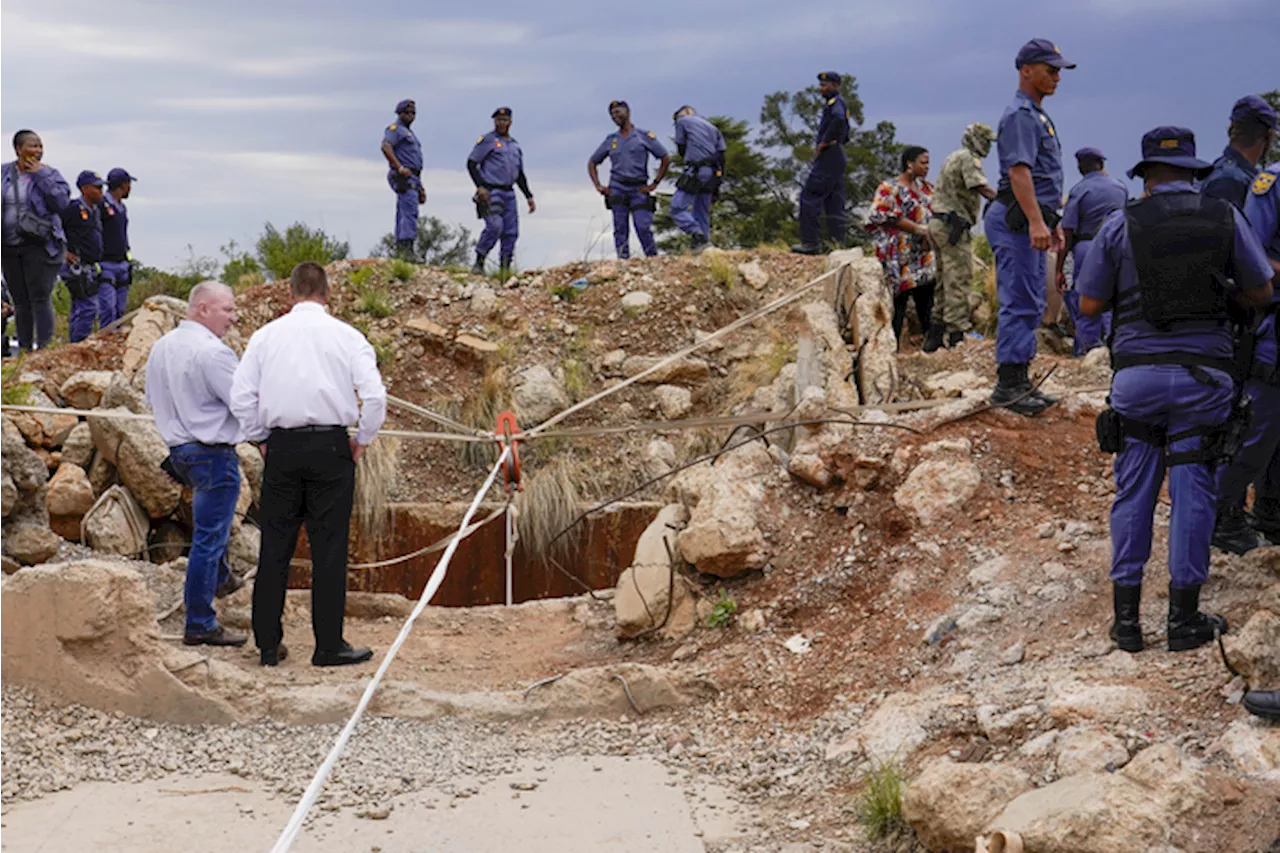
(496, 164)
(1089, 202)
(117, 266)
(1022, 222)
(1250, 136)
(82, 222)
(701, 146)
(1174, 265)
(823, 191)
(629, 194)
(1233, 531)
(403, 151)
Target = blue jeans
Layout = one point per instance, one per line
(1169, 396)
(214, 474)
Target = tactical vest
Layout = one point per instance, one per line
(1182, 244)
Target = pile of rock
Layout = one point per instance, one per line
(97, 479)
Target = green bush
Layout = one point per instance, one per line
(723, 611)
(879, 802)
(385, 351)
(361, 278)
(61, 299)
(240, 267)
(12, 392)
(375, 303)
(402, 270)
(280, 252)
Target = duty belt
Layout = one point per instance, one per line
(506, 187)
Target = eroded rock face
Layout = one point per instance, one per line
(649, 596)
(860, 294)
(31, 544)
(1255, 650)
(949, 804)
(539, 395)
(723, 536)
(158, 316)
(78, 447)
(941, 484)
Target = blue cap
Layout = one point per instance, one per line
(89, 178)
(622, 104)
(1090, 153)
(119, 176)
(1172, 146)
(1255, 108)
(1041, 50)
(404, 105)
(501, 112)
(829, 77)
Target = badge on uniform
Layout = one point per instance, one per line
(84, 214)
(497, 145)
(652, 135)
(615, 143)
(391, 127)
(977, 161)
(831, 101)
(479, 139)
(1262, 183)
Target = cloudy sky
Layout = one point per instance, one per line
(237, 113)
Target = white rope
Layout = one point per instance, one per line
(312, 793)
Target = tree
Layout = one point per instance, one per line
(279, 253)
(1272, 98)
(241, 267)
(789, 126)
(748, 210)
(438, 244)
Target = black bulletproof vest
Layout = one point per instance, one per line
(1182, 244)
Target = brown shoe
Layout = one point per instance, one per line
(217, 637)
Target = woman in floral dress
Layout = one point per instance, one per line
(898, 223)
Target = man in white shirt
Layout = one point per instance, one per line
(189, 373)
(295, 394)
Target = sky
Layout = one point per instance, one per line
(233, 114)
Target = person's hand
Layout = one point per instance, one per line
(648, 188)
(357, 450)
(1061, 282)
(422, 195)
(482, 193)
(1041, 236)
(404, 170)
(72, 257)
(532, 205)
(262, 449)
(5, 310)
(29, 165)
(1059, 241)
(604, 191)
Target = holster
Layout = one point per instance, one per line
(482, 206)
(81, 282)
(1232, 435)
(1015, 219)
(1110, 431)
(957, 227)
(402, 183)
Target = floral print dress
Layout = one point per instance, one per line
(907, 259)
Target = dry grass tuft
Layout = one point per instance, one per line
(549, 503)
(481, 411)
(375, 478)
(760, 370)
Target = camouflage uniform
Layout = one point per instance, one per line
(956, 194)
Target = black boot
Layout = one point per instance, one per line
(1263, 703)
(807, 249)
(478, 266)
(1232, 532)
(697, 243)
(1188, 627)
(404, 249)
(1265, 519)
(1012, 383)
(1126, 630)
(933, 340)
(955, 339)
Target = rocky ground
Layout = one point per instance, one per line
(923, 589)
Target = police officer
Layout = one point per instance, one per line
(1021, 223)
(823, 190)
(629, 194)
(1170, 264)
(82, 222)
(117, 266)
(496, 165)
(1092, 200)
(403, 151)
(701, 146)
(957, 198)
(1250, 136)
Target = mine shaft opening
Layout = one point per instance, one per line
(596, 552)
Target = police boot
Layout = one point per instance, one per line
(504, 270)
(1265, 519)
(1263, 703)
(404, 249)
(1188, 627)
(933, 340)
(478, 266)
(1232, 532)
(1011, 384)
(807, 249)
(1126, 630)
(955, 339)
(698, 243)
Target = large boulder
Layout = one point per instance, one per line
(941, 484)
(1255, 650)
(652, 594)
(84, 390)
(117, 524)
(723, 536)
(949, 804)
(243, 549)
(44, 429)
(685, 371)
(78, 446)
(538, 395)
(27, 473)
(858, 293)
(1082, 749)
(9, 492)
(673, 401)
(251, 467)
(136, 449)
(69, 497)
(157, 316)
(30, 544)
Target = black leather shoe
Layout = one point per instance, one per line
(272, 657)
(807, 249)
(478, 267)
(1188, 627)
(1232, 532)
(218, 637)
(232, 584)
(345, 656)
(933, 340)
(955, 339)
(1126, 630)
(1263, 703)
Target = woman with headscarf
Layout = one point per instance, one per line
(34, 243)
(898, 223)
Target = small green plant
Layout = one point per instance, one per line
(761, 369)
(879, 802)
(723, 611)
(361, 278)
(12, 392)
(577, 378)
(61, 299)
(401, 270)
(384, 349)
(239, 264)
(722, 270)
(375, 303)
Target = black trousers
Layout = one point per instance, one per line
(922, 295)
(30, 273)
(309, 478)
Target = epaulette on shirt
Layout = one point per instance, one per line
(391, 127)
(653, 135)
(479, 139)
(1262, 183)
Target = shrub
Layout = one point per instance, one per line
(361, 278)
(384, 349)
(723, 611)
(722, 270)
(375, 303)
(12, 392)
(280, 252)
(879, 802)
(240, 266)
(577, 378)
(402, 270)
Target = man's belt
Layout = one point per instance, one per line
(1015, 219)
(630, 182)
(308, 428)
(506, 187)
(115, 259)
(957, 226)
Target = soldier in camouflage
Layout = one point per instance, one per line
(956, 204)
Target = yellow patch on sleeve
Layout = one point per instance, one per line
(652, 135)
(977, 162)
(1262, 183)
(391, 127)
(479, 139)
(831, 101)
(84, 214)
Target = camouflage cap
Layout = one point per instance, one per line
(978, 138)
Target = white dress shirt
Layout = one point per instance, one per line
(305, 369)
(189, 373)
